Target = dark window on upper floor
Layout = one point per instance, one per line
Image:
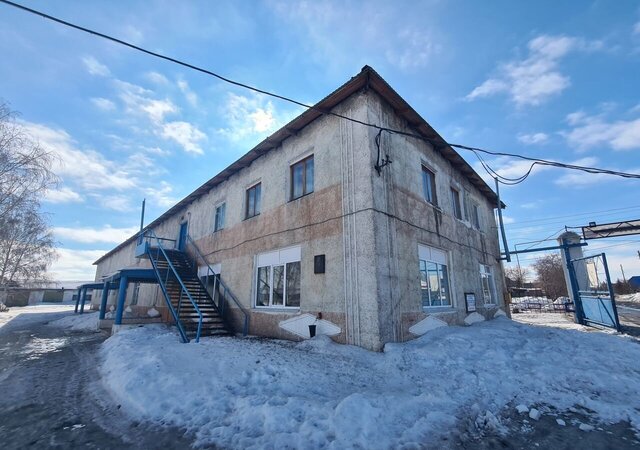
(302, 178)
(429, 185)
(219, 219)
(252, 206)
(455, 200)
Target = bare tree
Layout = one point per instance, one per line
(25, 167)
(26, 245)
(550, 275)
(518, 275)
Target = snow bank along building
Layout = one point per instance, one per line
(368, 235)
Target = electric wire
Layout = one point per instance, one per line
(475, 150)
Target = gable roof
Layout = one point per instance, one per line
(367, 78)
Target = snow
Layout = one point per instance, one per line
(522, 408)
(32, 312)
(473, 318)
(632, 298)
(549, 319)
(534, 414)
(153, 313)
(561, 422)
(586, 427)
(255, 393)
(78, 322)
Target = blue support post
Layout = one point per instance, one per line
(84, 297)
(122, 296)
(78, 300)
(103, 300)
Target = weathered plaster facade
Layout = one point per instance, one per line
(367, 226)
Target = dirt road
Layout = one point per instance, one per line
(51, 396)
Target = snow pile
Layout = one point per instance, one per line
(78, 322)
(251, 393)
(634, 298)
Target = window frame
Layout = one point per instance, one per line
(430, 173)
(439, 271)
(457, 205)
(475, 215)
(285, 263)
(216, 228)
(304, 161)
(486, 273)
(257, 187)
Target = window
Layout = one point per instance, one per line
(475, 215)
(253, 201)
(278, 279)
(455, 199)
(210, 280)
(488, 284)
(429, 186)
(219, 220)
(434, 277)
(302, 178)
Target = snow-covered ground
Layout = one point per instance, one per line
(549, 319)
(629, 298)
(27, 312)
(78, 322)
(255, 393)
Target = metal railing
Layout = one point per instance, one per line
(159, 249)
(220, 292)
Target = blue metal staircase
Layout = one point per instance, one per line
(197, 310)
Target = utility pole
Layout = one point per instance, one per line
(623, 277)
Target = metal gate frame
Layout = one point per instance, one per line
(596, 297)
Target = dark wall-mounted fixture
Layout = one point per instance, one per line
(318, 264)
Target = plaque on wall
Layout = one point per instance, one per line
(470, 301)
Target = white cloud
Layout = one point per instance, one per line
(339, 35)
(162, 195)
(88, 168)
(594, 131)
(574, 178)
(535, 79)
(75, 264)
(156, 78)
(95, 67)
(414, 49)
(139, 101)
(87, 235)
(533, 138)
(103, 104)
(120, 203)
(185, 134)
(251, 117)
(191, 96)
(63, 195)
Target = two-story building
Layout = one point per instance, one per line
(376, 231)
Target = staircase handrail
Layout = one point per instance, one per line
(151, 234)
(200, 256)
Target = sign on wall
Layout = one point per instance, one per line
(470, 301)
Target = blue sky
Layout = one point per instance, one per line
(558, 80)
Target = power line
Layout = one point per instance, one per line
(542, 219)
(475, 150)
